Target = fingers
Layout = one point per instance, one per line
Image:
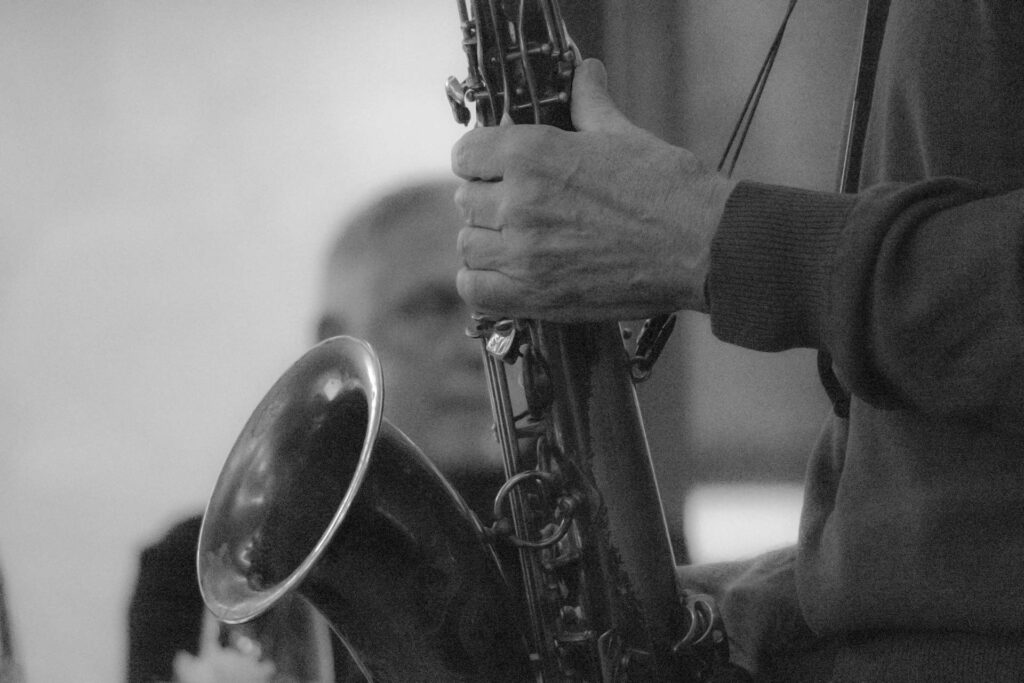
(491, 281)
(225, 666)
(476, 155)
(488, 291)
(480, 248)
(494, 293)
(216, 664)
(480, 282)
(209, 639)
(479, 204)
(497, 152)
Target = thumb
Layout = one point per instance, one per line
(592, 106)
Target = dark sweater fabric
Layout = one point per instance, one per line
(912, 533)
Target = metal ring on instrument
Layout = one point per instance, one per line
(701, 610)
(639, 370)
(565, 509)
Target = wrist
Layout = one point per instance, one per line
(770, 265)
(717, 196)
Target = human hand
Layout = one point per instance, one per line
(757, 603)
(605, 223)
(218, 664)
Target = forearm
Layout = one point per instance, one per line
(914, 290)
(770, 261)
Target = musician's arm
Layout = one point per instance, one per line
(916, 291)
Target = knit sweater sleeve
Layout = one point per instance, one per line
(915, 290)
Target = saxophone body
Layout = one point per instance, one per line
(604, 588)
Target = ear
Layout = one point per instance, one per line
(330, 325)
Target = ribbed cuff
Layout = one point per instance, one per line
(770, 265)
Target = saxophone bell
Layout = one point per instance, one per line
(322, 497)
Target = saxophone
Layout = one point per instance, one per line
(321, 497)
(596, 564)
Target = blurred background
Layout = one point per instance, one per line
(170, 176)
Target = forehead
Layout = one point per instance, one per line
(420, 238)
(416, 249)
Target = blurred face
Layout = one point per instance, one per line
(404, 303)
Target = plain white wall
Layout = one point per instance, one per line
(170, 173)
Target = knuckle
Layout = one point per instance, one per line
(465, 150)
(459, 157)
(508, 211)
(462, 242)
(461, 197)
(463, 285)
(468, 284)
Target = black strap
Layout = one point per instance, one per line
(874, 30)
(739, 133)
(849, 181)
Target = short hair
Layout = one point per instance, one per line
(367, 230)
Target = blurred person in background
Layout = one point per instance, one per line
(388, 281)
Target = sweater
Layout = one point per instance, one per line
(911, 542)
